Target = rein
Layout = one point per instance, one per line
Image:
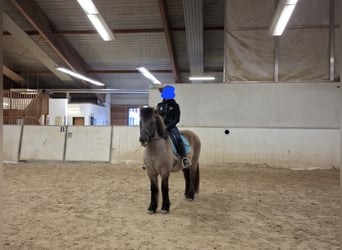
(149, 135)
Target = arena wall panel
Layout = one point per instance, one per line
(88, 143)
(289, 148)
(11, 142)
(125, 145)
(287, 124)
(42, 143)
(276, 147)
(257, 105)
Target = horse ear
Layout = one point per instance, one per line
(161, 127)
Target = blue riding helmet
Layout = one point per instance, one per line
(168, 92)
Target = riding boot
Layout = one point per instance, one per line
(186, 162)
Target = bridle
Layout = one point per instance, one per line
(151, 135)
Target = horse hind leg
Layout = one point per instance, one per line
(197, 182)
(154, 195)
(191, 177)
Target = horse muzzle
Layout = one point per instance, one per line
(143, 141)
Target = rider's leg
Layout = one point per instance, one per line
(186, 162)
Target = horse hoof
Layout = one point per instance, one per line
(151, 212)
(164, 211)
(189, 198)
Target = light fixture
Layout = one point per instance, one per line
(201, 78)
(33, 91)
(148, 75)
(96, 19)
(74, 109)
(88, 6)
(282, 16)
(79, 76)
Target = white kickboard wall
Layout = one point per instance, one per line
(293, 125)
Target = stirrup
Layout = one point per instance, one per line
(186, 162)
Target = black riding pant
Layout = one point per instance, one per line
(180, 146)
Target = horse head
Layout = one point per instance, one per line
(151, 126)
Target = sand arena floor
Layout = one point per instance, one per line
(62, 206)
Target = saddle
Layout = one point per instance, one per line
(174, 144)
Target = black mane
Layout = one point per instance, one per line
(146, 113)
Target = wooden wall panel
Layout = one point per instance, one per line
(119, 115)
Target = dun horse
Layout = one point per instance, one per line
(159, 159)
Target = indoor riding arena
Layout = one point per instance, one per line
(268, 117)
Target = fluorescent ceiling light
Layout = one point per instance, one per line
(79, 76)
(27, 90)
(88, 6)
(96, 19)
(74, 109)
(148, 75)
(101, 27)
(201, 78)
(282, 16)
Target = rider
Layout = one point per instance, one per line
(169, 110)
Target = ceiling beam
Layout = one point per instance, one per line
(169, 40)
(39, 20)
(124, 31)
(127, 71)
(106, 91)
(31, 47)
(11, 74)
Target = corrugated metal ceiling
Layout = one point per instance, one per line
(141, 39)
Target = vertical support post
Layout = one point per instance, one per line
(276, 52)
(276, 59)
(340, 89)
(1, 130)
(332, 40)
(64, 129)
(66, 116)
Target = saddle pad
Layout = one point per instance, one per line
(185, 142)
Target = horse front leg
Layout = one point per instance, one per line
(186, 173)
(165, 192)
(154, 194)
